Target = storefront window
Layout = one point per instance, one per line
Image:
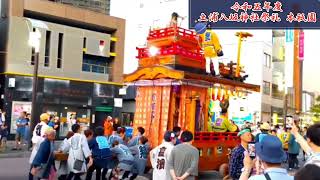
(68, 115)
(266, 88)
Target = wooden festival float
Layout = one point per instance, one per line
(173, 89)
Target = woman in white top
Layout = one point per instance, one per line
(78, 153)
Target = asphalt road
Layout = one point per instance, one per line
(18, 168)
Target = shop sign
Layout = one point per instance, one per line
(118, 102)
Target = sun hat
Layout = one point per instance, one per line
(270, 150)
(265, 126)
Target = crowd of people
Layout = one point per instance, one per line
(107, 151)
(273, 147)
(110, 153)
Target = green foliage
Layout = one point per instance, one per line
(316, 108)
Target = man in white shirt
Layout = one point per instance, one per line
(38, 136)
(159, 157)
(312, 145)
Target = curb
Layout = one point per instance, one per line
(15, 155)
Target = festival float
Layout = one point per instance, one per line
(174, 89)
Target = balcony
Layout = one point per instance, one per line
(94, 68)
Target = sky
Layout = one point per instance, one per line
(140, 15)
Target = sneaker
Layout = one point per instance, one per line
(290, 169)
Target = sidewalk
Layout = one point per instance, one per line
(9, 153)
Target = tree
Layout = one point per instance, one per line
(316, 108)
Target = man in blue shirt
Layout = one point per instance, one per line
(21, 127)
(101, 153)
(116, 135)
(270, 155)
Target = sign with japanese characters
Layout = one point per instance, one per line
(301, 45)
(259, 14)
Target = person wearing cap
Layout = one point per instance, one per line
(209, 42)
(265, 128)
(237, 154)
(38, 136)
(270, 155)
(184, 159)
(159, 156)
(108, 127)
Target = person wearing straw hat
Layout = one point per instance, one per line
(265, 128)
(237, 154)
(270, 155)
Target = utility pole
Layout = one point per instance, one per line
(285, 108)
(34, 95)
(34, 42)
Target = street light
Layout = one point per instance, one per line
(34, 42)
(153, 51)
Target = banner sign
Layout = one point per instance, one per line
(289, 35)
(255, 14)
(301, 45)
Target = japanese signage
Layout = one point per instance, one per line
(255, 13)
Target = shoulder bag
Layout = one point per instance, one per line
(44, 167)
(267, 176)
(78, 164)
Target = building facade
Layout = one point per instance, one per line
(80, 61)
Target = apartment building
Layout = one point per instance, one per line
(80, 60)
